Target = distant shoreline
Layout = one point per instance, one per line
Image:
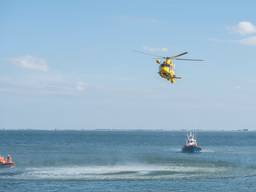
(129, 130)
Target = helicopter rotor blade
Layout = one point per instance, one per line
(144, 53)
(171, 57)
(175, 56)
(189, 59)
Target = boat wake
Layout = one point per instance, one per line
(116, 172)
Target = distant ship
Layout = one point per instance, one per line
(191, 145)
(6, 162)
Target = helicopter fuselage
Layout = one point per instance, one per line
(167, 70)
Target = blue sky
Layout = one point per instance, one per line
(70, 65)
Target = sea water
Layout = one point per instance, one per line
(127, 161)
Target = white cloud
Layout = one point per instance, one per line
(247, 29)
(248, 41)
(50, 85)
(81, 86)
(244, 28)
(155, 49)
(30, 62)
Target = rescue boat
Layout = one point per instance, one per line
(6, 162)
(191, 145)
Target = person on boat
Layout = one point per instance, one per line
(9, 159)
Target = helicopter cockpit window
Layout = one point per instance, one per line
(165, 65)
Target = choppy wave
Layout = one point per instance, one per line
(116, 172)
(207, 150)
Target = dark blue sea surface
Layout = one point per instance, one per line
(127, 161)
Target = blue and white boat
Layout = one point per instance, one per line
(191, 145)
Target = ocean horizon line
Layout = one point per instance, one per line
(127, 130)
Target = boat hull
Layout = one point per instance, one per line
(191, 149)
(6, 165)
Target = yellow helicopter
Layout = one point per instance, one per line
(167, 67)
